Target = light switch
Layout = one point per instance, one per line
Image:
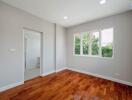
(12, 50)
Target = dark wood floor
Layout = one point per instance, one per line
(68, 85)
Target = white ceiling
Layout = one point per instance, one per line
(78, 11)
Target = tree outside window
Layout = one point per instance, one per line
(99, 43)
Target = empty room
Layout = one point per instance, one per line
(65, 49)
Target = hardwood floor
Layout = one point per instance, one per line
(68, 85)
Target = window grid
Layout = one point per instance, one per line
(90, 45)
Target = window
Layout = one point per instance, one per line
(85, 43)
(97, 43)
(77, 44)
(107, 42)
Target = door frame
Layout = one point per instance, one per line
(41, 50)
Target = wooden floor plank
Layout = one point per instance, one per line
(68, 85)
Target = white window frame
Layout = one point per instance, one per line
(90, 44)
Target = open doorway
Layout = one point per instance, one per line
(32, 54)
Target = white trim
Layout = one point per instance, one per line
(48, 73)
(10, 86)
(102, 76)
(23, 53)
(51, 72)
(90, 44)
(55, 44)
(81, 44)
(61, 69)
(94, 56)
(41, 50)
(100, 49)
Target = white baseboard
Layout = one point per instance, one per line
(102, 76)
(58, 70)
(10, 86)
(45, 74)
(51, 72)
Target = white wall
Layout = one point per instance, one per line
(60, 48)
(12, 22)
(122, 61)
(32, 49)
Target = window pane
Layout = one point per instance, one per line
(85, 43)
(77, 44)
(107, 42)
(95, 43)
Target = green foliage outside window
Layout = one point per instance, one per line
(107, 51)
(86, 43)
(77, 45)
(91, 42)
(95, 46)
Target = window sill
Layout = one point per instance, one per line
(92, 56)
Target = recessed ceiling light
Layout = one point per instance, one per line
(102, 2)
(65, 17)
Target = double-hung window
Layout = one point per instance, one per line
(95, 43)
